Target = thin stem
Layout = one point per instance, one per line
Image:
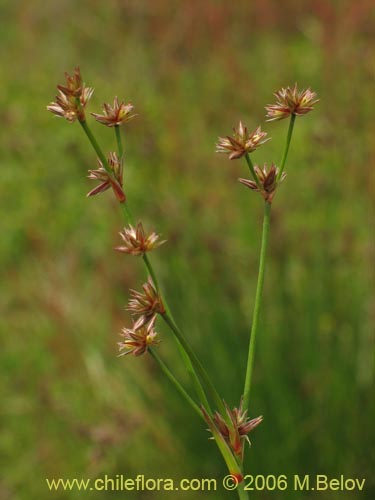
(175, 382)
(186, 358)
(287, 144)
(190, 367)
(196, 363)
(242, 493)
(94, 143)
(151, 271)
(252, 170)
(189, 357)
(258, 299)
(184, 354)
(119, 141)
(128, 215)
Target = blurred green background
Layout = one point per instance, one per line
(71, 407)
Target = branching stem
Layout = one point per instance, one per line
(175, 382)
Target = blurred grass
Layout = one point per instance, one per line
(70, 407)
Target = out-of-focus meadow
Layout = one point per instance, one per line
(71, 407)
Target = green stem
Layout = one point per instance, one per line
(186, 358)
(189, 357)
(188, 354)
(240, 489)
(242, 493)
(252, 170)
(287, 144)
(94, 143)
(184, 354)
(119, 141)
(128, 215)
(258, 299)
(175, 382)
(151, 271)
(196, 363)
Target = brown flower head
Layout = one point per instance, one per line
(236, 427)
(111, 177)
(74, 84)
(267, 181)
(137, 340)
(72, 98)
(116, 114)
(136, 242)
(145, 304)
(291, 101)
(241, 143)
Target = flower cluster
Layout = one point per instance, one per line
(115, 115)
(136, 242)
(72, 98)
(235, 427)
(241, 143)
(146, 304)
(291, 101)
(108, 177)
(267, 181)
(137, 340)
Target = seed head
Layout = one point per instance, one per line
(136, 242)
(72, 98)
(291, 101)
(108, 178)
(146, 304)
(74, 83)
(236, 427)
(116, 114)
(137, 340)
(241, 143)
(267, 180)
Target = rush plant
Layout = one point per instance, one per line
(229, 427)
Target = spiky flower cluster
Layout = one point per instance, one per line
(235, 427)
(291, 101)
(267, 181)
(115, 115)
(72, 98)
(146, 304)
(241, 143)
(108, 177)
(136, 242)
(137, 340)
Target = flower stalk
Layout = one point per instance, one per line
(257, 304)
(287, 144)
(186, 357)
(251, 168)
(175, 382)
(119, 141)
(93, 142)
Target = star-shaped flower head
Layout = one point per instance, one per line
(267, 181)
(146, 304)
(137, 340)
(235, 427)
(72, 98)
(291, 101)
(241, 143)
(136, 242)
(115, 115)
(109, 177)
